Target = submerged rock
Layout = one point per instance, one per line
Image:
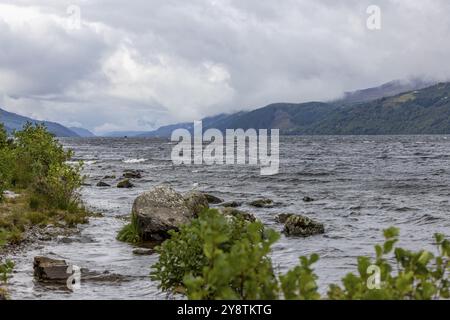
(109, 177)
(238, 214)
(132, 174)
(231, 204)
(297, 225)
(212, 199)
(143, 252)
(163, 209)
(125, 184)
(308, 199)
(47, 269)
(262, 203)
(103, 184)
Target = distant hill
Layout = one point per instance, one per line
(388, 89)
(425, 111)
(14, 121)
(419, 111)
(84, 133)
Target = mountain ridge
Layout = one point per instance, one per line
(418, 111)
(13, 121)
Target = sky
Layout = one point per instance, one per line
(113, 65)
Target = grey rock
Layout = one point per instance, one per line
(213, 199)
(125, 184)
(262, 203)
(103, 184)
(143, 252)
(196, 202)
(297, 225)
(231, 204)
(282, 217)
(160, 210)
(47, 269)
(132, 174)
(238, 214)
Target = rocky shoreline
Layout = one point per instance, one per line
(155, 212)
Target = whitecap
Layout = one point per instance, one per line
(134, 160)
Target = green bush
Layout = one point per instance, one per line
(418, 275)
(215, 257)
(186, 253)
(59, 187)
(36, 161)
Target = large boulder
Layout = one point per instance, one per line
(301, 226)
(47, 269)
(163, 209)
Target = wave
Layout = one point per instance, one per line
(134, 160)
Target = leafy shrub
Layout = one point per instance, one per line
(187, 251)
(36, 165)
(215, 257)
(36, 161)
(60, 186)
(417, 276)
(299, 283)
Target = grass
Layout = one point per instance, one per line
(130, 232)
(19, 214)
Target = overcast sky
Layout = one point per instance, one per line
(139, 64)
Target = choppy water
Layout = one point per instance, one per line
(361, 185)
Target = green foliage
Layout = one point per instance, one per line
(34, 164)
(36, 161)
(130, 232)
(6, 268)
(210, 255)
(6, 161)
(218, 257)
(237, 269)
(418, 275)
(299, 283)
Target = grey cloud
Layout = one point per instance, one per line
(146, 63)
